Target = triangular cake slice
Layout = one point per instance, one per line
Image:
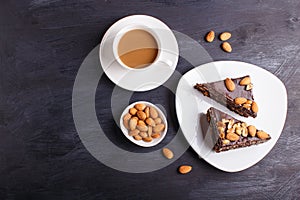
(235, 94)
(230, 133)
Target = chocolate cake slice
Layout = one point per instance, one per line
(230, 133)
(235, 94)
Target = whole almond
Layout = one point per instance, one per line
(240, 100)
(226, 47)
(141, 122)
(132, 111)
(157, 121)
(153, 113)
(168, 153)
(147, 112)
(254, 107)
(210, 36)
(184, 169)
(137, 137)
(229, 84)
(252, 130)
(232, 136)
(143, 134)
(155, 135)
(150, 122)
(147, 139)
(149, 131)
(126, 119)
(140, 106)
(158, 128)
(132, 123)
(141, 115)
(245, 81)
(225, 36)
(133, 132)
(262, 135)
(142, 128)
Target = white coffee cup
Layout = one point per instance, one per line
(159, 58)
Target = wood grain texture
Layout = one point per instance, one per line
(43, 43)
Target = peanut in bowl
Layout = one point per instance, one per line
(144, 124)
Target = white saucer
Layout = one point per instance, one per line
(148, 78)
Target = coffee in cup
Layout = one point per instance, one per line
(137, 47)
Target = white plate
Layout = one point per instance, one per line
(141, 142)
(269, 92)
(148, 78)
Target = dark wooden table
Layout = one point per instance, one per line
(44, 42)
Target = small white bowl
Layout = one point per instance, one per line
(141, 143)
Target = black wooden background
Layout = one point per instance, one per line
(42, 45)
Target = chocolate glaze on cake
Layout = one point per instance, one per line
(218, 91)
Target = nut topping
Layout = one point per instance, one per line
(238, 130)
(262, 135)
(249, 86)
(254, 107)
(235, 131)
(225, 121)
(244, 132)
(240, 100)
(229, 84)
(252, 130)
(225, 141)
(246, 105)
(249, 101)
(244, 125)
(222, 135)
(232, 136)
(245, 81)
